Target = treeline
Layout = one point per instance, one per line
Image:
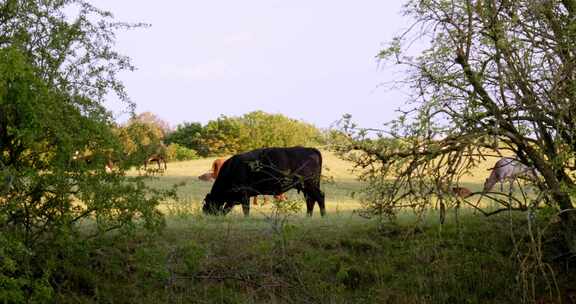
(222, 136)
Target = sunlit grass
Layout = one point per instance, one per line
(192, 192)
(339, 186)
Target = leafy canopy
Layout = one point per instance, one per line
(228, 135)
(495, 78)
(56, 66)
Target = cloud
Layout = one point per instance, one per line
(214, 70)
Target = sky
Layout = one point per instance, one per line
(313, 60)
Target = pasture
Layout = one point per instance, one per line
(339, 183)
(286, 257)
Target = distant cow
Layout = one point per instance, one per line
(217, 164)
(158, 158)
(88, 158)
(510, 169)
(208, 176)
(266, 171)
(462, 192)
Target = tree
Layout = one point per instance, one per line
(221, 136)
(140, 140)
(254, 130)
(186, 135)
(495, 77)
(56, 66)
(153, 120)
(262, 129)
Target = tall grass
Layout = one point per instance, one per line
(283, 256)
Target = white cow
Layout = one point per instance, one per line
(510, 169)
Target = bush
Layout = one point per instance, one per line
(178, 152)
(49, 111)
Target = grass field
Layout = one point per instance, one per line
(339, 186)
(338, 192)
(275, 257)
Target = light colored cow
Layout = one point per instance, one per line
(509, 169)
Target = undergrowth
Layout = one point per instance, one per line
(343, 259)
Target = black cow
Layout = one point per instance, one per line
(269, 171)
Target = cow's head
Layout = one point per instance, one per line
(212, 206)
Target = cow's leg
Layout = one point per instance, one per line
(320, 200)
(309, 203)
(246, 205)
(318, 196)
(313, 194)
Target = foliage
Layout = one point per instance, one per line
(186, 135)
(140, 140)
(179, 153)
(56, 66)
(155, 122)
(276, 130)
(229, 135)
(221, 136)
(494, 78)
(336, 260)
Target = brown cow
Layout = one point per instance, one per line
(207, 177)
(461, 192)
(158, 158)
(87, 157)
(217, 164)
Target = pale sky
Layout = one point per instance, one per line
(312, 60)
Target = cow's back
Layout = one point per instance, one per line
(296, 160)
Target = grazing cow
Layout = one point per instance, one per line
(88, 158)
(208, 176)
(510, 169)
(461, 192)
(158, 158)
(266, 171)
(217, 164)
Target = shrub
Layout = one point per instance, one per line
(178, 152)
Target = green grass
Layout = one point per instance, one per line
(291, 258)
(343, 259)
(339, 185)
